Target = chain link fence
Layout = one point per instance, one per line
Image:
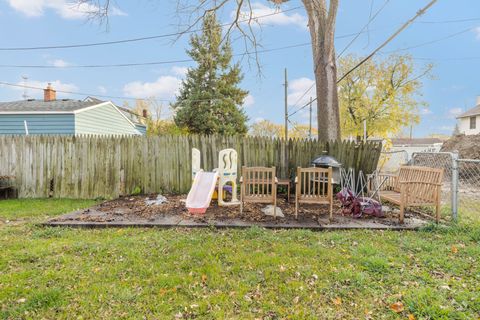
(461, 185)
(469, 188)
(440, 160)
(390, 161)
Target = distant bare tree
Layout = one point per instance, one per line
(321, 22)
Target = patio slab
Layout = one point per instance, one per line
(185, 222)
(133, 211)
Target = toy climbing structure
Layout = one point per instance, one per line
(227, 174)
(195, 162)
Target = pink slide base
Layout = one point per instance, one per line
(200, 195)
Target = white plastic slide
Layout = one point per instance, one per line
(200, 195)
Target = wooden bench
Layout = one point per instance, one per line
(413, 187)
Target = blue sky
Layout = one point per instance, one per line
(26, 23)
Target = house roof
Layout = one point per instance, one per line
(32, 105)
(415, 141)
(472, 112)
(132, 115)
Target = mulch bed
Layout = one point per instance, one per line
(133, 209)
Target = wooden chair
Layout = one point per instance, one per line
(314, 185)
(258, 185)
(414, 187)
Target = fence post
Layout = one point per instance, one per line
(455, 185)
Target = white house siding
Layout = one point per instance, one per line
(464, 126)
(105, 119)
(411, 149)
(401, 154)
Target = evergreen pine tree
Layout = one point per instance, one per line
(210, 100)
(456, 130)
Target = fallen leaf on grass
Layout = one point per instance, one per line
(204, 278)
(397, 307)
(337, 301)
(454, 249)
(411, 317)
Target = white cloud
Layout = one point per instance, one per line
(262, 14)
(425, 111)
(179, 71)
(165, 87)
(59, 63)
(454, 112)
(249, 101)
(477, 32)
(102, 89)
(446, 128)
(298, 94)
(67, 9)
(56, 85)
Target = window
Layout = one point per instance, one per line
(473, 122)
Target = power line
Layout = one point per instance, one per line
(449, 21)
(303, 95)
(102, 95)
(452, 35)
(166, 35)
(371, 18)
(150, 63)
(403, 27)
(72, 92)
(364, 27)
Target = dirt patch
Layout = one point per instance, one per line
(135, 209)
(468, 147)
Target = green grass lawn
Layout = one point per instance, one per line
(60, 273)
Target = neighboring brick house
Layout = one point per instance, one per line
(68, 117)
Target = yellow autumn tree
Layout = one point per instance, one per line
(386, 93)
(265, 128)
(159, 119)
(301, 131)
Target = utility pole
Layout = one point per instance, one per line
(286, 105)
(25, 89)
(310, 121)
(286, 122)
(365, 131)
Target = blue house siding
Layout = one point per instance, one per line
(37, 123)
(105, 119)
(141, 128)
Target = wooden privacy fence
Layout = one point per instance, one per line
(99, 166)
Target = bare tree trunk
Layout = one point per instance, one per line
(321, 21)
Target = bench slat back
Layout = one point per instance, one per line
(425, 192)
